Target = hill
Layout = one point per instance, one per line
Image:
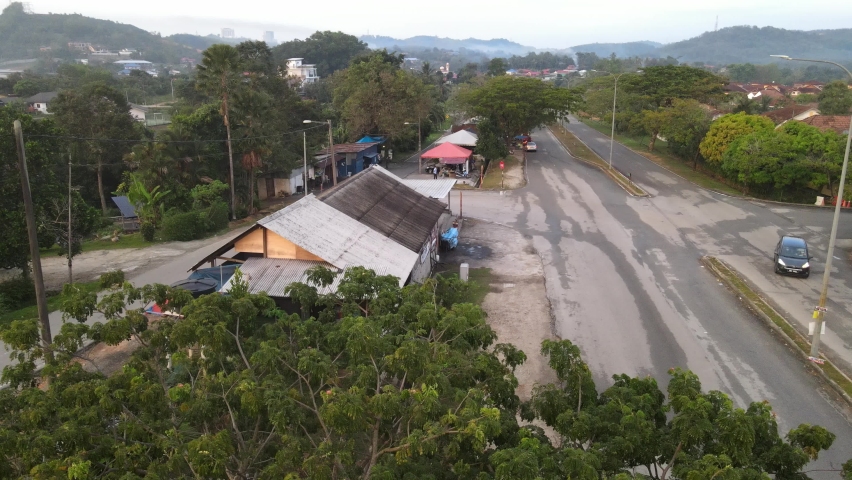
(27, 35)
(494, 47)
(629, 49)
(752, 44)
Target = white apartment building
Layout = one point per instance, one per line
(306, 73)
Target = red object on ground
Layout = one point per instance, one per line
(501, 165)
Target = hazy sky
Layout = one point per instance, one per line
(546, 23)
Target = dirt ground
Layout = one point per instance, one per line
(517, 305)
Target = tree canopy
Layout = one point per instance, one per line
(727, 129)
(371, 381)
(329, 51)
(835, 99)
(517, 104)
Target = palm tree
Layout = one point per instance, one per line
(252, 110)
(219, 75)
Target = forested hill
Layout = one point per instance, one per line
(22, 35)
(754, 45)
(628, 49)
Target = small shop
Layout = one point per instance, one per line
(451, 161)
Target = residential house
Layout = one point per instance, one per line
(40, 101)
(281, 185)
(794, 112)
(138, 112)
(398, 212)
(838, 123)
(79, 45)
(305, 73)
(280, 249)
(352, 158)
(134, 64)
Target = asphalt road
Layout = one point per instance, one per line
(744, 233)
(625, 283)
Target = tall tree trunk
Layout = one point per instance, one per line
(252, 182)
(653, 142)
(230, 158)
(101, 185)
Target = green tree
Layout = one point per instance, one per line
(100, 117)
(490, 144)
(329, 51)
(725, 130)
(687, 122)
(517, 104)
(376, 96)
(835, 99)
(398, 385)
(757, 159)
(652, 122)
(662, 85)
(468, 72)
(28, 87)
(497, 67)
(821, 153)
(43, 164)
(219, 75)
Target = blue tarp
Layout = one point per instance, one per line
(371, 139)
(123, 204)
(451, 236)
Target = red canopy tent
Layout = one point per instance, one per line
(448, 153)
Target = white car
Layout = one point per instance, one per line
(530, 147)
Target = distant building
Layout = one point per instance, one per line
(134, 64)
(126, 51)
(269, 37)
(79, 45)
(306, 73)
(40, 101)
(227, 33)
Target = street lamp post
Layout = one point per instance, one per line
(612, 135)
(330, 149)
(823, 296)
(305, 146)
(419, 147)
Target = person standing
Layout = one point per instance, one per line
(435, 173)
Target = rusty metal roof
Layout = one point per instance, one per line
(387, 206)
(339, 239)
(348, 148)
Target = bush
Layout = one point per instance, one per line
(185, 226)
(217, 217)
(147, 229)
(18, 292)
(114, 278)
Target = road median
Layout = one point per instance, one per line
(749, 295)
(580, 151)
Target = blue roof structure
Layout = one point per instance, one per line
(123, 204)
(372, 139)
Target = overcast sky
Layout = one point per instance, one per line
(542, 24)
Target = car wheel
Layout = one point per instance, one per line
(776, 268)
(806, 275)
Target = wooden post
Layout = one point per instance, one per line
(264, 244)
(41, 298)
(461, 200)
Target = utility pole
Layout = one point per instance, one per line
(70, 271)
(41, 298)
(305, 145)
(331, 152)
(419, 148)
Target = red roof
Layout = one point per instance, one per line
(838, 123)
(447, 150)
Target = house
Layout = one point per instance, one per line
(391, 208)
(133, 64)
(794, 112)
(280, 248)
(352, 158)
(79, 45)
(40, 101)
(280, 185)
(305, 73)
(838, 123)
(138, 112)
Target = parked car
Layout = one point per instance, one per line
(531, 147)
(791, 256)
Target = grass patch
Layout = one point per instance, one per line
(54, 301)
(801, 342)
(479, 280)
(132, 240)
(493, 176)
(579, 150)
(663, 157)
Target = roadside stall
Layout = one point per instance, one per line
(453, 161)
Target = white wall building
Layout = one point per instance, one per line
(306, 73)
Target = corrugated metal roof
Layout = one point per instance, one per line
(338, 238)
(274, 275)
(123, 204)
(388, 206)
(435, 188)
(348, 148)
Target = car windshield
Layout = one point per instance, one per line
(794, 252)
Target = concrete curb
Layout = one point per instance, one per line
(705, 260)
(602, 169)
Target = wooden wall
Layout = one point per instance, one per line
(276, 246)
